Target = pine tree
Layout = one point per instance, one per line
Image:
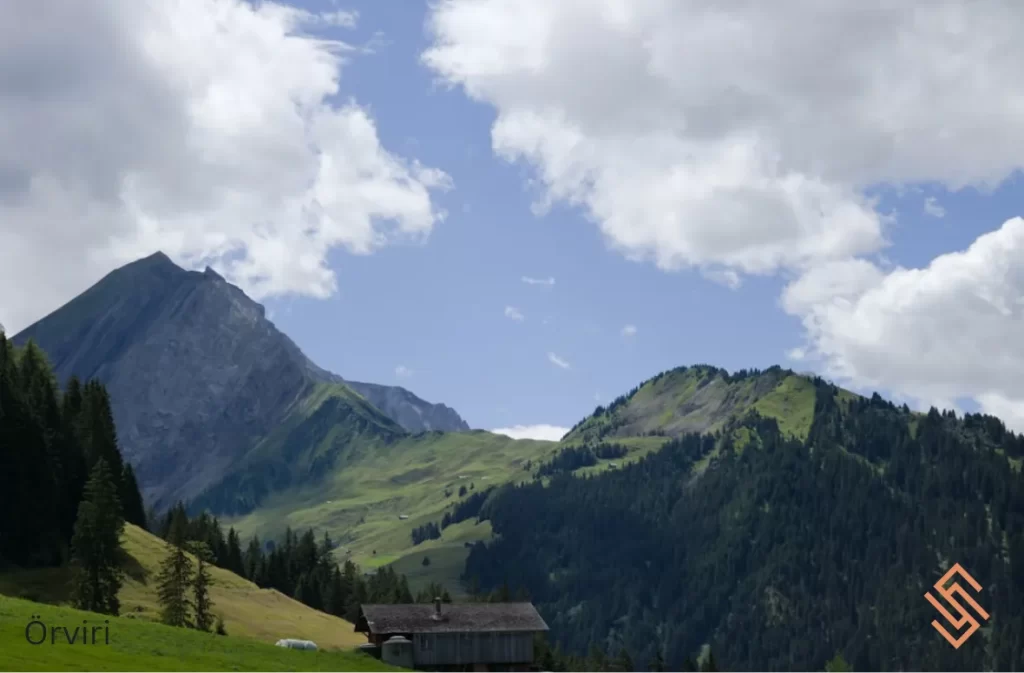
(335, 597)
(96, 545)
(174, 581)
(201, 583)
(134, 510)
(233, 555)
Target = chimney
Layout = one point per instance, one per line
(437, 608)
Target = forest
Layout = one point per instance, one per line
(65, 490)
(778, 553)
(50, 442)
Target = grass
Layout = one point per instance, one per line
(447, 558)
(248, 611)
(379, 491)
(360, 504)
(376, 495)
(138, 645)
(791, 404)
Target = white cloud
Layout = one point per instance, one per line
(629, 331)
(557, 361)
(796, 354)
(726, 277)
(947, 331)
(512, 313)
(403, 372)
(551, 433)
(933, 208)
(340, 18)
(691, 138)
(209, 129)
(549, 281)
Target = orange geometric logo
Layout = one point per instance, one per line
(950, 593)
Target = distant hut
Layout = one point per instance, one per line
(453, 636)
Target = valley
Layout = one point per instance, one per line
(702, 509)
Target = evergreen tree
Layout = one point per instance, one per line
(201, 583)
(838, 665)
(233, 557)
(96, 545)
(134, 510)
(173, 583)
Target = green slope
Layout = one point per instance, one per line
(359, 503)
(136, 645)
(357, 485)
(776, 551)
(247, 610)
(330, 429)
(701, 399)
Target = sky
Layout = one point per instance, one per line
(522, 208)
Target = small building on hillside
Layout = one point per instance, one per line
(453, 636)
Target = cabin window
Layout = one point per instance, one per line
(425, 643)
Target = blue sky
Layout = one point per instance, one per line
(383, 175)
(437, 309)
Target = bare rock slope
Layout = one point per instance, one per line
(197, 374)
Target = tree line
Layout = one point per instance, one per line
(65, 489)
(779, 552)
(574, 457)
(299, 565)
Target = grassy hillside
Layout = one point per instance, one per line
(779, 552)
(332, 428)
(702, 399)
(260, 614)
(137, 645)
(417, 477)
(373, 483)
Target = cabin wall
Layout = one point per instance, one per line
(448, 649)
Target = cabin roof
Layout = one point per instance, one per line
(455, 618)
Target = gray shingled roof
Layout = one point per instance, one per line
(455, 618)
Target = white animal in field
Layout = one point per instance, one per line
(293, 644)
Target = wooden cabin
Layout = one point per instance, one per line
(453, 636)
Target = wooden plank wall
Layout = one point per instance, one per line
(445, 649)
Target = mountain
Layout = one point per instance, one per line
(198, 376)
(409, 411)
(701, 398)
(781, 521)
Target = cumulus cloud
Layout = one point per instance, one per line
(340, 18)
(551, 433)
(403, 372)
(512, 313)
(691, 138)
(549, 281)
(950, 330)
(210, 129)
(743, 138)
(932, 207)
(629, 331)
(557, 361)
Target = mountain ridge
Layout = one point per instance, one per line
(198, 376)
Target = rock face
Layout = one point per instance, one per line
(408, 410)
(197, 374)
